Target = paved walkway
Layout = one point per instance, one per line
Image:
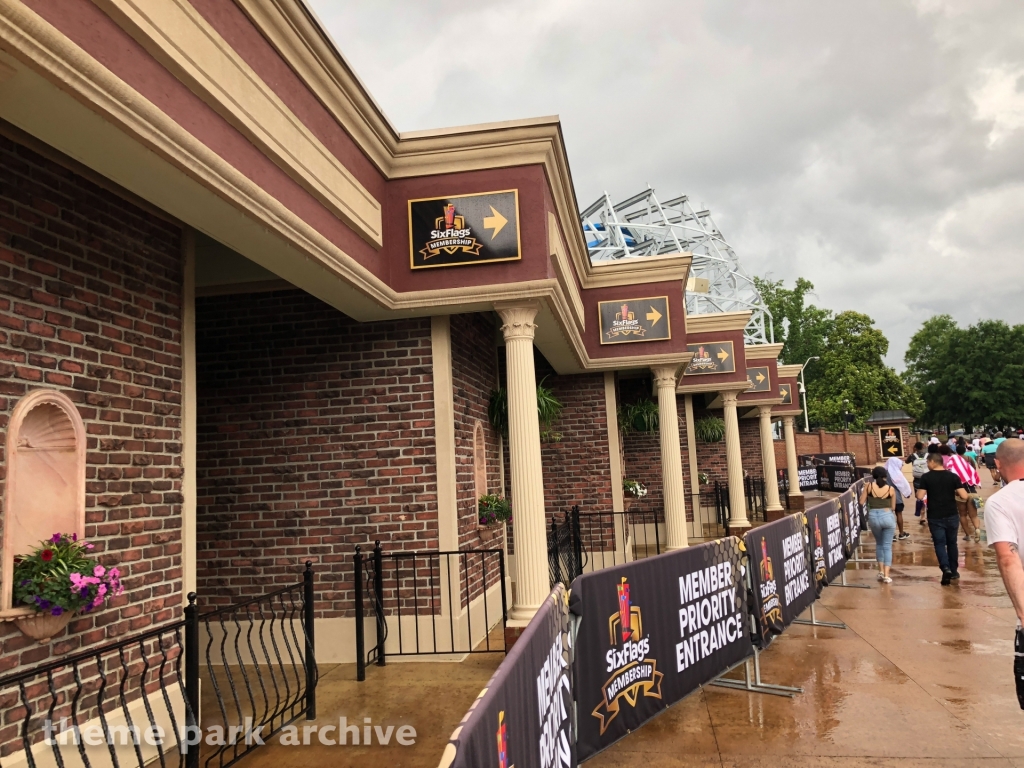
(922, 677)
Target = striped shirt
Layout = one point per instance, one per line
(962, 467)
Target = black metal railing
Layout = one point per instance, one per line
(754, 494)
(429, 603)
(98, 707)
(710, 513)
(136, 701)
(602, 539)
(566, 556)
(260, 666)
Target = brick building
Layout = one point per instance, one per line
(211, 251)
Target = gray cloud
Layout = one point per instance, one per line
(875, 148)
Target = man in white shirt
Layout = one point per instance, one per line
(1004, 526)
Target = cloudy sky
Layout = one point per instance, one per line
(874, 147)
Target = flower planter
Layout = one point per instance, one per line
(41, 625)
(490, 533)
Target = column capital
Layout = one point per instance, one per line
(788, 421)
(665, 375)
(729, 398)
(517, 319)
(764, 410)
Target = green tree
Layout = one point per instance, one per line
(972, 375)
(853, 369)
(800, 327)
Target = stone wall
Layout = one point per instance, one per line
(316, 433)
(90, 304)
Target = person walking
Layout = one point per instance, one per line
(942, 488)
(988, 455)
(880, 498)
(918, 461)
(966, 468)
(1004, 526)
(894, 470)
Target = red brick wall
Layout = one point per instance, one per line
(711, 456)
(863, 444)
(316, 433)
(90, 304)
(474, 377)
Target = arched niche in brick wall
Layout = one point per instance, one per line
(45, 491)
(479, 460)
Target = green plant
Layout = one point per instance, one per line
(549, 410)
(59, 577)
(494, 509)
(634, 488)
(710, 429)
(641, 416)
(702, 478)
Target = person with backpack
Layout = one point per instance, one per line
(919, 465)
(880, 498)
(894, 470)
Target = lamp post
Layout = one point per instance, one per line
(803, 391)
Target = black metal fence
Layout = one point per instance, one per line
(566, 556)
(429, 603)
(136, 702)
(754, 493)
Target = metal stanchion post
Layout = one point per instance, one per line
(815, 623)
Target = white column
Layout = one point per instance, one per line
(792, 468)
(734, 465)
(771, 479)
(444, 433)
(691, 449)
(189, 428)
(671, 458)
(532, 586)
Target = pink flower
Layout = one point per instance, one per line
(89, 546)
(76, 579)
(101, 591)
(114, 573)
(99, 570)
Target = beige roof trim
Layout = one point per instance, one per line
(717, 321)
(789, 371)
(762, 351)
(649, 269)
(183, 41)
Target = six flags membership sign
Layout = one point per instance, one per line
(464, 229)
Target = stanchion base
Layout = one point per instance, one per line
(813, 622)
(849, 586)
(757, 685)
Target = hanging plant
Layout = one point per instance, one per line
(549, 410)
(641, 416)
(710, 429)
(634, 488)
(702, 478)
(494, 510)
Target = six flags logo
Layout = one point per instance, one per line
(450, 234)
(632, 673)
(626, 324)
(502, 742)
(771, 608)
(820, 571)
(702, 359)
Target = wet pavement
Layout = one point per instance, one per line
(921, 677)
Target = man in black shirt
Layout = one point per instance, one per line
(942, 489)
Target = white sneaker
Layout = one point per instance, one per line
(887, 580)
(880, 576)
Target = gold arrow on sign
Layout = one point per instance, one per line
(722, 355)
(495, 222)
(654, 316)
(892, 449)
(760, 378)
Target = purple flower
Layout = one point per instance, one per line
(43, 604)
(57, 611)
(74, 537)
(55, 538)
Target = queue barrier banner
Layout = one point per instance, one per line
(853, 516)
(836, 477)
(828, 541)
(524, 716)
(815, 459)
(653, 631)
(780, 575)
(808, 477)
